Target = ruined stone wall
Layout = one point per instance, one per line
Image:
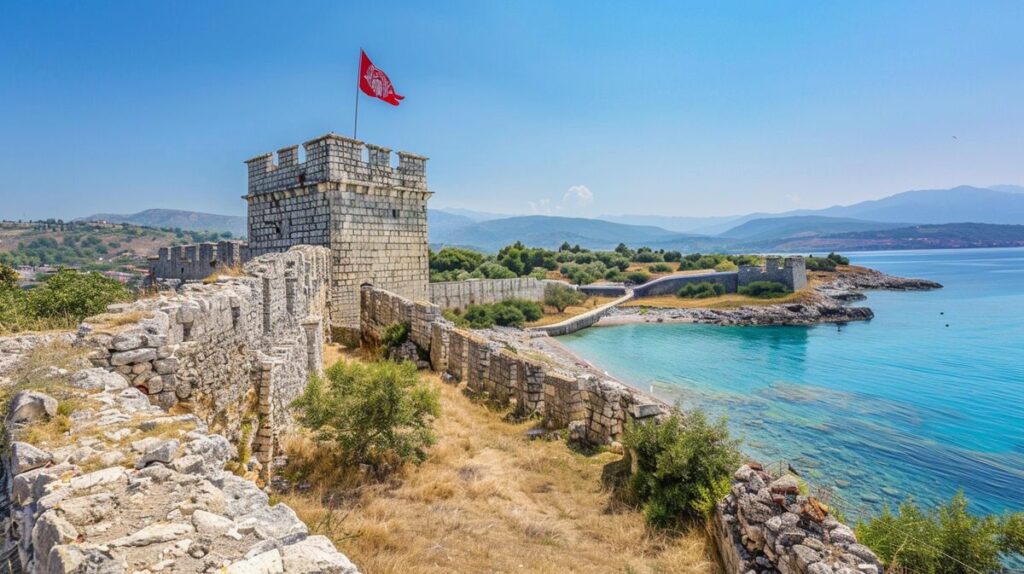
(461, 294)
(765, 525)
(371, 215)
(196, 262)
(127, 487)
(593, 409)
(672, 284)
(238, 350)
(791, 272)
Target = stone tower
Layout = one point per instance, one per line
(345, 196)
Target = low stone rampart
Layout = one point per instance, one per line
(593, 409)
(461, 294)
(671, 284)
(765, 525)
(238, 350)
(127, 487)
(583, 320)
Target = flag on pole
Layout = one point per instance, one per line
(374, 82)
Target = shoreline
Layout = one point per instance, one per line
(825, 303)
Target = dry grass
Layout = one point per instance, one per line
(487, 500)
(727, 301)
(107, 321)
(224, 271)
(552, 316)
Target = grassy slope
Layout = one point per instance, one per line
(489, 500)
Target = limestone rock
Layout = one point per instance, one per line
(49, 531)
(132, 357)
(162, 451)
(29, 406)
(316, 554)
(154, 534)
(266, 563)
(27, 457)
(76, 559)
(210, 524)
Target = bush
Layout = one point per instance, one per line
(561, 297)
(508, 313)
(394, 335)
(373, 411)
(507, 316)
(943, 539)
(479, 316)
(763, 289)
(660, 268)
(839, 259)
(492, 270)
(820, 264)
(583, 274)
(455, 259)
(726, 266)
(638, 277)
(8, 277)
(683, 466)
(701, 290)
(615, 275)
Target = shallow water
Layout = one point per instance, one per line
(926, 398)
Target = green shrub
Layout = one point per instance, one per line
(839, 259)
(683, 466)
(479, 316)
(373, 411)
(726, 266)
(394, 335)
(492, 270)
(819, 264)
(8, 277)
(507, 316)
(701, 290)
(531, 310)
(638, 277)
(615, 275)
(660, 268)
(455, 317)
(561, 297)
(455, 259)
(763, 289)
(942, 540)
(583, 274)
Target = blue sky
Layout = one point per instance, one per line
(666, 108)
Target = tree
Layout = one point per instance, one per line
(561, 297)
(638, 277)
(372, 411)
(683, 466)
(8, 277)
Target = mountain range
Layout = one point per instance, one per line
(962, 216)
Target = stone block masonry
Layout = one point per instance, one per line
(130, 488)
(196, 262)
(593, 409)
(372, 216)
(238, 350)
(461, 294)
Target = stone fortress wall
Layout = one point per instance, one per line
(792, 273)
(461, 294)
(348, 197)
(131, 487)
(198, 261)
(239, 349)
(593, 409)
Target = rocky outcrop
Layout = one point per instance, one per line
(120, 485)
(765, 526)
(825, 303)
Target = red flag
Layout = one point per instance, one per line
(374, 82)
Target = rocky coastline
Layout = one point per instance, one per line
(826, 302)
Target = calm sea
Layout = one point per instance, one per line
(926, 398)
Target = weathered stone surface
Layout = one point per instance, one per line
(26, 457)
(162, 451)
(132, 357)
(98, 380)
(29, 406)
(154, 534)
(210, 524)
(266, 563)
(49, 531)
(316, 554)
(128, 340)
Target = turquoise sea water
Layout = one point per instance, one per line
(926, 398)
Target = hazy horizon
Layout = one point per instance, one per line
(575, 109)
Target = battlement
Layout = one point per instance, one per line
(336, 158)
(195, 262)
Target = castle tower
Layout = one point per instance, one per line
(372, 216)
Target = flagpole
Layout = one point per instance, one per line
(355, 124)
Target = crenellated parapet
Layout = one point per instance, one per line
(335, 158)
(198, 261)
(790, 271)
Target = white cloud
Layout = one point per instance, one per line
(573, 200)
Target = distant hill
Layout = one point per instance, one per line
(938, 236)
(171, 218)
(699, 225)
(550, 232)
(473, 214)
(964, 203)
(778, 228)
